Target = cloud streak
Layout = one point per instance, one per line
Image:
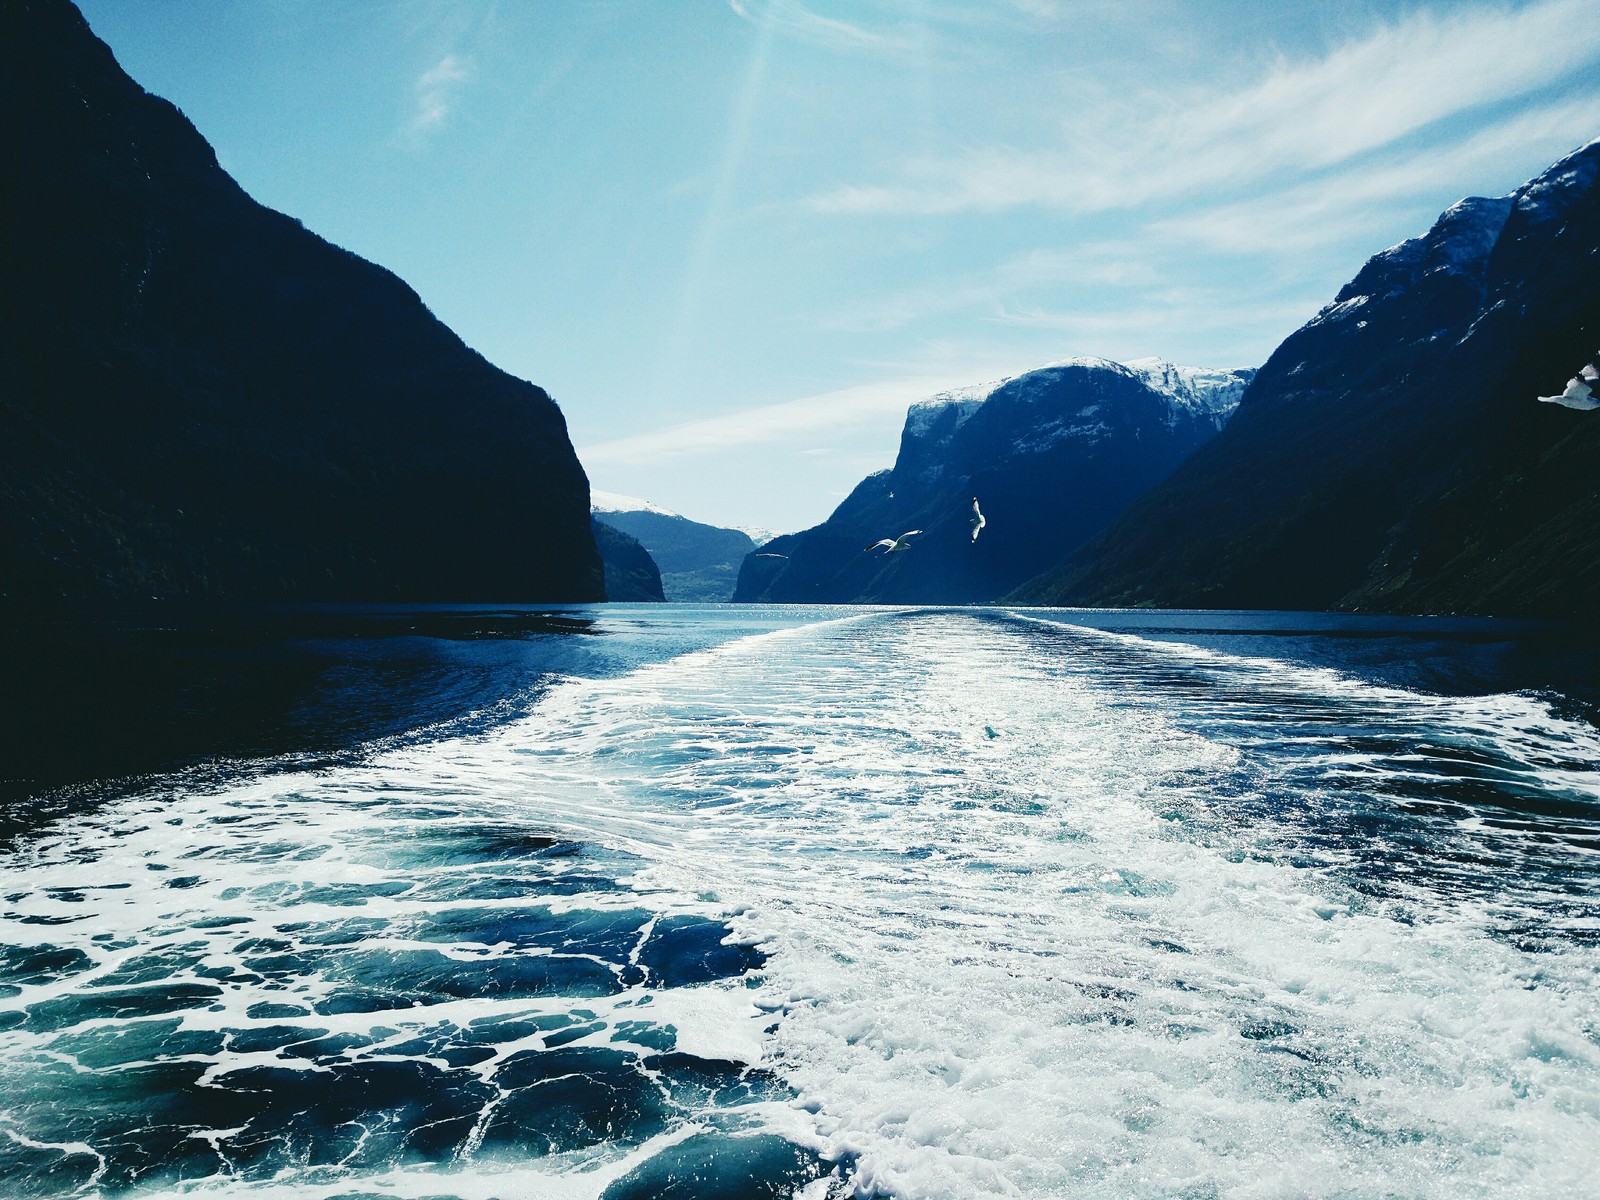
(1283, 231)
(436, 90)
(1302, 116)
(836, 412)
(1313, 215)
(795, 20)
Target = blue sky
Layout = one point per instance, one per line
(736, 238)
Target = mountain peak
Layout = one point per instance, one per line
(1212, 390)
(615, 502)
(1054, 454)
(205, 400)
(1391, 454)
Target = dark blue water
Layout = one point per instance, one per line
(95, 703)
(715, 902)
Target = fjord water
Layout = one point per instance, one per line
(771, 902)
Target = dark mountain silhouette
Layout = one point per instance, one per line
(200, 398)
(698, 562)
(1052, 456)
(1392, 454)
(631, 574)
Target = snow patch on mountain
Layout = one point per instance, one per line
(1065, 429)
(1213, 392)
(924, 414)
(1465, 233)
(1340, 309)
(1206, 392)
(614, 502)
(1078, 360)
(758, 534)
(1202, 393)
(1552, 194)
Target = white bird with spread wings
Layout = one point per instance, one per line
(1580, 391)
(894, 545)
(978, 521)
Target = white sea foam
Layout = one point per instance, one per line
(1042, 913)
(1036, 964)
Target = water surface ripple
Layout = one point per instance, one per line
(919, 903)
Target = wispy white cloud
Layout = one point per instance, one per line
(1105, 264)
(1039, 10)
(794, 19)
(1314, 220)
(1313, 215)
(436, 90)
(1302, 116)
(1148, 327)
(830, 414)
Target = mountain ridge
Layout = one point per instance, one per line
(202, 399)
(1051, 455)
(1391, 454)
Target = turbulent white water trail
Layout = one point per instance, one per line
(1025, 943)
(1046, 912)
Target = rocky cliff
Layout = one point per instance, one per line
(631, 574)
(1051, 457)
(200, 398)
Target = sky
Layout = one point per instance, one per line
(735, 239)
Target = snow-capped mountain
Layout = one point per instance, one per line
(1052, 455)
(615, 502)
(1393, 453)
(759, 534)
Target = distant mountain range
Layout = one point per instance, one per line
(698, 562)
(1051, 456)
(199, 398)
(1393, 454)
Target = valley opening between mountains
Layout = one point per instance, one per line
(1160, 780)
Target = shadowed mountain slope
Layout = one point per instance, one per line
(1392, 453)
(631, 574)
(1052, 457)
(200, 398)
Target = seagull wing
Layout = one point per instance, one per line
(880, 542)
(1579, 395)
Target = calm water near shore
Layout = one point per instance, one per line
(658, 901)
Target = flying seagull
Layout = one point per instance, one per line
(894, 545)
(978, 521)
(1580, 391)
(772, 555)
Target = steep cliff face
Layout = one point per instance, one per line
(200, 398)
(631, 574)
(1051, 456)
(1392, 453)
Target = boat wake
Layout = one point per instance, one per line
(906, 903)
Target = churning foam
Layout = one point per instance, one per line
(1041, 909)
